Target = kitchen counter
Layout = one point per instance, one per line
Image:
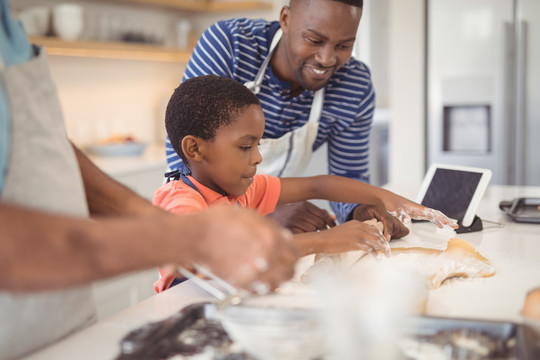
(513, 248)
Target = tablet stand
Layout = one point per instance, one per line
(475, 226)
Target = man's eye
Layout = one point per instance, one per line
(314, 41)
(245, 148)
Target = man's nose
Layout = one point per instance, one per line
(326, 56)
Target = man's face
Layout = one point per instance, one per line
(318, 38)
(231, 159)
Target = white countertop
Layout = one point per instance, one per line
(514, 250)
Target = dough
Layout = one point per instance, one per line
(459, 259)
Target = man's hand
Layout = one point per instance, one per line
(393, 228)
(303, 217)
(246, 249)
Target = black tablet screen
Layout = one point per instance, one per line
(451, 191)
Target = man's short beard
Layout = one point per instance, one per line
(302, 81)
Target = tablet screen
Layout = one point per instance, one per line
(451, 191)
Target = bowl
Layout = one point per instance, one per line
(270, 333)
(118, 149)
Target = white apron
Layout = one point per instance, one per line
(42, 174)
(288, 155)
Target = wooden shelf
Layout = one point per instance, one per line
(110, 50)
(206, 5)
(133, 51)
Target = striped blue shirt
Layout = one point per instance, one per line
(236, 49)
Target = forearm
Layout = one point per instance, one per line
(106, 196)
(333, 188)
(342, 189)
(43, 251)
(308, 242)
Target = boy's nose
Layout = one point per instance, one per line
(257, 156)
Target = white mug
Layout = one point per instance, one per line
(183, 28)
(35, 20)
(68, 21)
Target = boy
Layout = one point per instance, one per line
(215, 125)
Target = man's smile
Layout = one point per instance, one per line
(319, 72)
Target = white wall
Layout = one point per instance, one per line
(102, 97)
(406, 69)
(372, 46)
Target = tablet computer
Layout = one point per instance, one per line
(454, 190)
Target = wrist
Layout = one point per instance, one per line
(390, 201)
(308, 243)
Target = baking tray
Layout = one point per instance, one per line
(468, 339)
(195, 330)
(523, 209)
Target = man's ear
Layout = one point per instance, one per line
(192, 147)
(284, 18)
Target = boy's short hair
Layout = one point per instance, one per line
(201, 105)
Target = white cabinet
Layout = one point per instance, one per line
(143, 181)
(143, 174)
(121, 292)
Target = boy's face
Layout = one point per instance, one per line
(231, 159)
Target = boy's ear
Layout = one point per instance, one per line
(191, 147)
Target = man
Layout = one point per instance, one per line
(49, 249)
(311, 91)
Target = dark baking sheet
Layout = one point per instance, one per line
(196, 329)
(522, 209)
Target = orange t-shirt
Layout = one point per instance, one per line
(179, 198)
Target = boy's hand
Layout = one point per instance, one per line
(411, 210)
(393, 228)
(350, 236)
(303, 217)
(405, 210)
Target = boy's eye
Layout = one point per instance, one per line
(245, 148)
